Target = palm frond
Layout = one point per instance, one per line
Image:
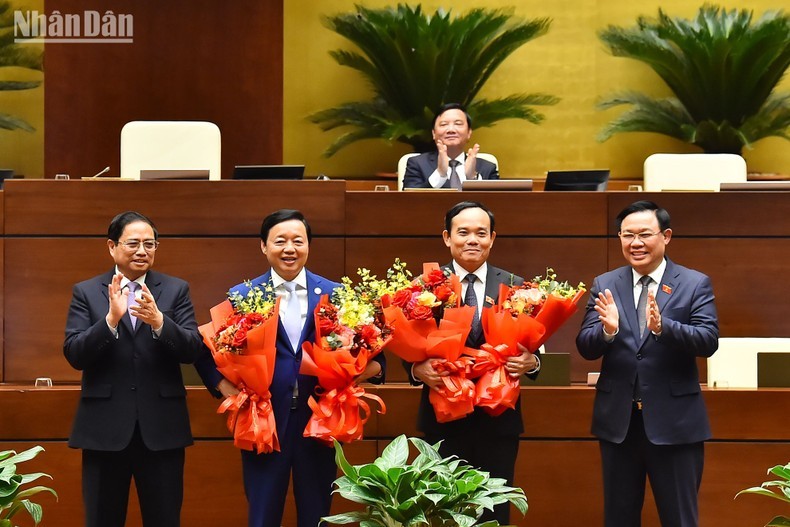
(722, 67)
(661, 116)
(416, 61)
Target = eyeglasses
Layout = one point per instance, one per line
(644, 237)
(133, 245)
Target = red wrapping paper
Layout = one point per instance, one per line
(420, 340)
(250, 413)
(496, 391)
(339, 410)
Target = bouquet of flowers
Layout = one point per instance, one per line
(528, 315)
(350, 331)
(413, 311)
(241, 336)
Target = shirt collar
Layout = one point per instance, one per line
(300, 280)
(481, 272)
(125, 281)
(656, 275)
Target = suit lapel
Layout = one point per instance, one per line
(495, 278)
(669, 283)
(625, 291)
(314, 293)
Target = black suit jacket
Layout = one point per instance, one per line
(419, 169)
(510, 422)
(134, 378)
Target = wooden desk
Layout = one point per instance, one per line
(54, 236)
(558, 464)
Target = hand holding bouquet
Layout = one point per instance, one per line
(350, 331)
(413, 311)
(241, 337)
(528, 315)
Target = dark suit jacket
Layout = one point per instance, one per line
(419, 169)
(287, 362)
(510, 422)
(134, 378)
(673, 407)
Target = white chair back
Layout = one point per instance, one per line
(692, 171)
(170, 145)
(734, 365)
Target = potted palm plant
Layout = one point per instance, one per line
(416, 61)
(782, 492)
(722, 67)
(430, 491)
(13, 497)
(12, 54)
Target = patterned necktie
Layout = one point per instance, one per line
(292, 317)
(470, 299)
(455, 179)
(641, 305)
(131, 300)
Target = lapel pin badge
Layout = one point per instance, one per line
(666, 289)
(490, 300)
(317, 290)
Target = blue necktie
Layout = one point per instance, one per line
(292, 317)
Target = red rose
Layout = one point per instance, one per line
(443, 292)
(240, 337)
(402, 298)
(369, 334)
(434, 278)
(421, 313)
(326, 325)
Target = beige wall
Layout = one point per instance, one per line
(569, 62)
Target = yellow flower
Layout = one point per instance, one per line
(426, 298)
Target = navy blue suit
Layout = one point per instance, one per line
(668, 432)
(419, 169)
(132, 416)
(266, 476)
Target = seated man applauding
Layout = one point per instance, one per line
(449, 166)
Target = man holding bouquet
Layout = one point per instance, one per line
(285, 242)
(649, 320)
(128, 330)
(469, 234)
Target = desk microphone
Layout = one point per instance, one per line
(101, 172)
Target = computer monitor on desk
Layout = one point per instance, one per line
(270, 172)
(595, 179)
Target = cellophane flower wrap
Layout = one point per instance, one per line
(428, 322)
(242, 337)
(350, 331)
(527, 314)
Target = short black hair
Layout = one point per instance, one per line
(451, 106)
(459, 207)
(119, 223)
(280, 216)
(638, 206)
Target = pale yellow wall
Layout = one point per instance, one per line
(20, 150)
(568, 62)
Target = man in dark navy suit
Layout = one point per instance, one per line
(486, 442)
(649, 320)
(449, 166)
(285, 241)
(128, 331)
